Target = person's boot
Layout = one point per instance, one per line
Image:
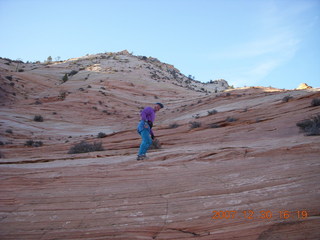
(141, 157)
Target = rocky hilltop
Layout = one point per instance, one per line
(233, 163)
(121, 66)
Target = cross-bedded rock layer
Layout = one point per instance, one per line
(243, 172)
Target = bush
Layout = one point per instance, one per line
(231, 119)
(62, 95)
(315, 102)
(84, 147)
(214, 125)
(73, 72)
(196, 116)
(38, 118)
(311, 126)
(212, 112)
(31, 143)
(101, 135)
(195, 125)
(174, 125)
(155, 144)
(49, 59)
(286, 98)
(9, 131)
(65, 78)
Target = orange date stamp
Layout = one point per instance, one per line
(264, 214)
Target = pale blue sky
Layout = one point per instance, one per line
(247, 42)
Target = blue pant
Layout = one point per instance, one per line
(146, 141)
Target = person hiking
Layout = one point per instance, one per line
(144, 128)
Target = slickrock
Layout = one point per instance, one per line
(303, 86)
(245, 172)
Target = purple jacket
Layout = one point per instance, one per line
(147, 114)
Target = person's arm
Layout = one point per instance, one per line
(151, 132)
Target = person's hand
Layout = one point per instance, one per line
(150, 124)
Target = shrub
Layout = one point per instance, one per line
(214, 125)
(196, 116)
(49, 59)
(231, 119)
(286, 98)
(9, 131)
(62, 95)
(174, 125)
(31, 143)
(65, 78)
(155, 144)
(311, 126)
(315, 102)
(38, 118)
(101, 135)
(195, 125)
(212, 112)
(73, 72)
(84, 147)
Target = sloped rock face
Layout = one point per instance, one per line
(303, 86)
(217, 85)
(246, 172)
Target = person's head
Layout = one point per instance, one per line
(158, 106)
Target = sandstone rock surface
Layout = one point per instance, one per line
(245, 173)
(303, 86)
